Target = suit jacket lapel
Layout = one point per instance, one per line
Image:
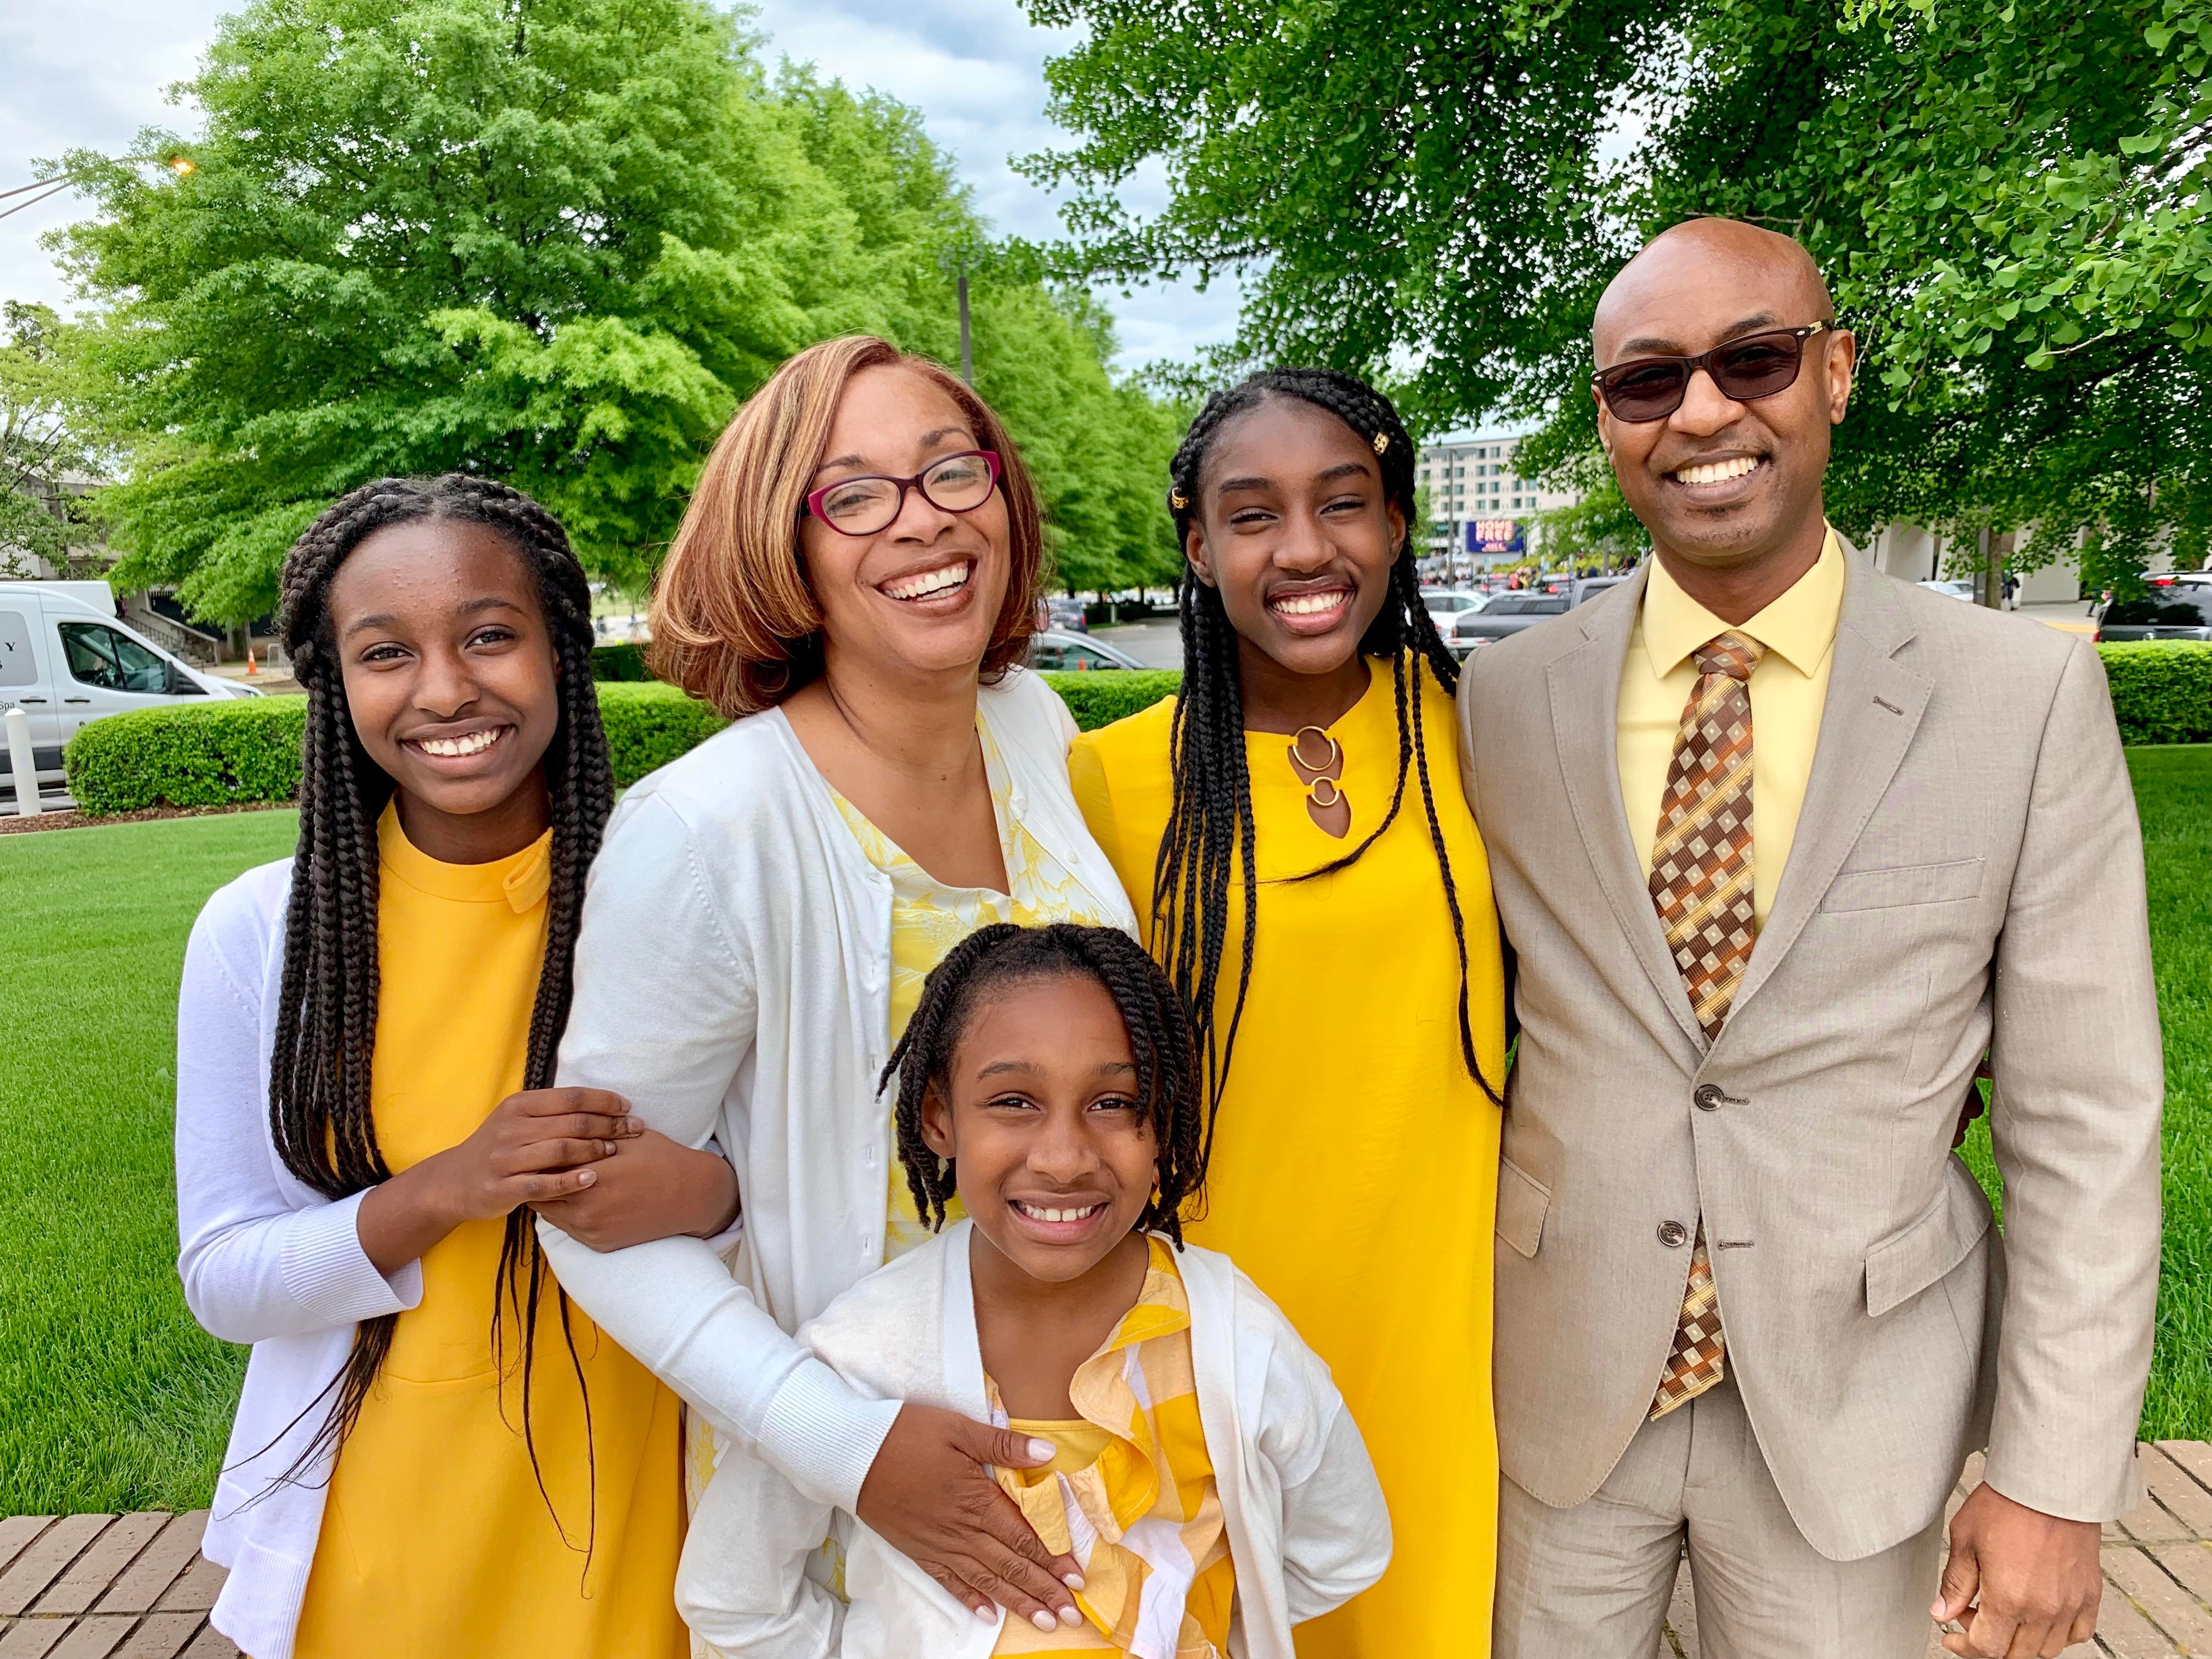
(1584, 682)
(1873, 707)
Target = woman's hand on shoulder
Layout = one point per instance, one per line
(929, 1494)
(651, 1188)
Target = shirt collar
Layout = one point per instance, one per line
(1799, 626)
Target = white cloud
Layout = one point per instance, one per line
(93, 72)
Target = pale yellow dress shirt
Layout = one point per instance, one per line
(1788, 693)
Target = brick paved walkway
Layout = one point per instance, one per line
(136, 1587)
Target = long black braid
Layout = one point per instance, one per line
(1160, 1041)
(1209, 825)
(319, 1087)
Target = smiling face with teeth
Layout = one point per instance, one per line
(918, 600)
(1730, 492)
(1053, 1154)
(1293, 528)
(451, 681)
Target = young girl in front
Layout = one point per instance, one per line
(1204, 1473)
(433, 1454)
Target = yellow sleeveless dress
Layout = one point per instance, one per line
(435, 1539)
(1355, 1164)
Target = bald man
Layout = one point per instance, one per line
(1788, 850)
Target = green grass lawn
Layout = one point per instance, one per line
(112, 1399)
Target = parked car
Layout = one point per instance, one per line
(1508, 613)
(1053, 649)
(1445, 605)
(2179, 612)
(66, 660)
(1065, 612)
(1957, 590)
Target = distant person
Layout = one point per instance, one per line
(1290, 831)
(433, 1454)
(854, 585)
(1048, 1086)
(1787, 848)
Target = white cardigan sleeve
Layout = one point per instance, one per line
(1336, 1525)
(664, 1016)
(255, 1263)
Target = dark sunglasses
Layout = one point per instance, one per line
(1756, 366)
(865, 506)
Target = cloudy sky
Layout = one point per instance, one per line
(91, 72)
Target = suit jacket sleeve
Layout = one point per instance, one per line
(2079, 1084)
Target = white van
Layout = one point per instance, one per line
(66, 660)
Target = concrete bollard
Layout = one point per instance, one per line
(19, 761)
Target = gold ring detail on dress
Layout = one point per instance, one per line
(1313, 794)
(1336, 750)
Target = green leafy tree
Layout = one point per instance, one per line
(553, 240)
(42, 441)
(550, 239)
(2010, 201)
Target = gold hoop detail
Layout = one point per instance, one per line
(1336, 750)
(1313, 794)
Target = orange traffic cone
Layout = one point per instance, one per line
(251, 670)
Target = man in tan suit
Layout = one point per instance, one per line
(1785, 848)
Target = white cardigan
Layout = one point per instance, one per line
(265, 1260)
(1308, 1528)
(733, 982)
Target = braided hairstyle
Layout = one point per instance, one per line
(1210, 826)
(319, 1086)
(1160, 1041)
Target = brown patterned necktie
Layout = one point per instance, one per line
(1701, 884)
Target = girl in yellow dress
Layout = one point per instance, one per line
(1292, 833)
(434, 1453)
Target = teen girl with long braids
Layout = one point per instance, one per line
(1291, 830)
(433, 1454)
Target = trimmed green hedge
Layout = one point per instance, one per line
(649, 725)
(622, 661)
(2161, 690)
(221, 754)
(1101, 696)
(211, 754)
(218, 754)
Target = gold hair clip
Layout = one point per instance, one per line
(1382, 442)
(1177, 499)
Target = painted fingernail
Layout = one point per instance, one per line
(1072, 1580)
(1042, 1620)
(986, 1614)
(1041, 1450)
(587, 1177)
(1070, 1617)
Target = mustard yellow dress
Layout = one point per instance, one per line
(435, 1539)
(1355, 1164)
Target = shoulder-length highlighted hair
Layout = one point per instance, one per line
(734, 619)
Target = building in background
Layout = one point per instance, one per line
(1480, 508)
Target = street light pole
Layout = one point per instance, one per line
(967, 345)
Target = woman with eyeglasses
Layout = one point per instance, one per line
(854, 586)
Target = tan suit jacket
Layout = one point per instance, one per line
(1968, 875)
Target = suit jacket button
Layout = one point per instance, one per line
(1674, 1235)
(1708, 1097)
